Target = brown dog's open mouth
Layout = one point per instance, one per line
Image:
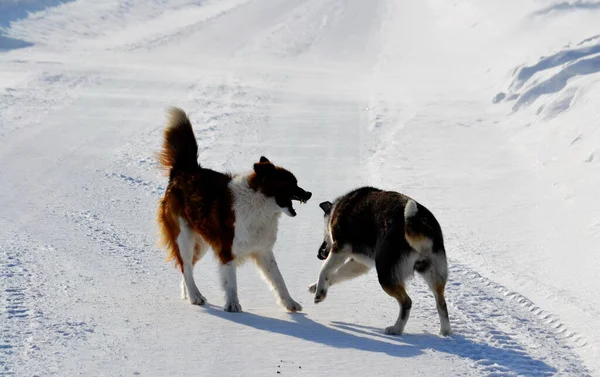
(291, 210)
(302, 199)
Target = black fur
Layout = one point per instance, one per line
(392, 231)
(372, 221)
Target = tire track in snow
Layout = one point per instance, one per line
(510, 335)
(26, 327)
(17, 316)
(499, 331)
(554, 325)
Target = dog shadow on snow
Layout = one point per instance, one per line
(370, 339)
(493, 359)
(305, 328)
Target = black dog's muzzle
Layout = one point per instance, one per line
(323, 251)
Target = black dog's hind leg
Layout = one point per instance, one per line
(390, 272)
(435, 274)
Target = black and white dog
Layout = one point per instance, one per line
(370, 227)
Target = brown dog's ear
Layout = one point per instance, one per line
(264, 159)
(262, 168)
(326, 207)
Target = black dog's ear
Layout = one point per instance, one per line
(264, 159)
(263, 168)
(326, 207)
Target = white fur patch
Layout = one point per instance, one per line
(255, 227)
(185, 243)
(364, 260)
(256, 218)
(405, 270)
(270, 272)
(410, 209)
(227, 273)
(287, 211)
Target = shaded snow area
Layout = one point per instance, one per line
(486, 112)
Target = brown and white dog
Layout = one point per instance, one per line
(235, 215)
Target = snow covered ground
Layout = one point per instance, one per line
(484, 111)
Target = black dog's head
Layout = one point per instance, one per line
(326, 245)
(276, 182)
(323, 251)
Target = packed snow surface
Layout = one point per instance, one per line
(486, 112)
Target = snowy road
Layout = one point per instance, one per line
(342, 93)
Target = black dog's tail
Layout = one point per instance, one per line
(417, 232)
(424, 234)
(180, 150)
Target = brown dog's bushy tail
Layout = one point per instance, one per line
(180, 150)
(168, 213)
(179, 153)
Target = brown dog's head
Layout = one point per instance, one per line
(278, 183)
